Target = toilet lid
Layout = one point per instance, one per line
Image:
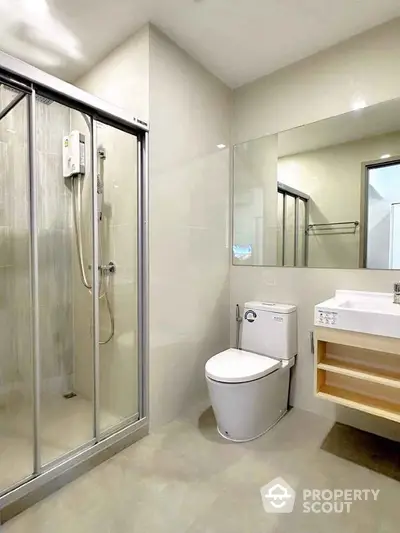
(238, 366)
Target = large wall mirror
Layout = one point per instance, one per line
(322, 195)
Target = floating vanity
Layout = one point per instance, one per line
(357, 352)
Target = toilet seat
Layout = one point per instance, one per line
(238, 366)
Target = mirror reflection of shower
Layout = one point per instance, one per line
(74, 167)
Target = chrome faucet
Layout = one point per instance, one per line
(396, 292)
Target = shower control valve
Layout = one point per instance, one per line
(108, 269)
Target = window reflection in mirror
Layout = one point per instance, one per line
(382, 238)
(322, 195)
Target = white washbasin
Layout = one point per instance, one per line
(364, 312)
(373, 304)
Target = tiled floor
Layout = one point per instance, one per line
(65, 425)
(186, 479)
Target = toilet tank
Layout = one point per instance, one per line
(270, 329)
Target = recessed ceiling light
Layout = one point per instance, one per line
(221, 146)
(385, 156)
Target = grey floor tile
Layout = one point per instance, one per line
(185, 478)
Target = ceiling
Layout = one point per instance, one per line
(237, 40)
(364, 123)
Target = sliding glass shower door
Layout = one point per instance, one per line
(292, 216)
(16, 378)
(65, 311)
(72, 281)
(118, 257)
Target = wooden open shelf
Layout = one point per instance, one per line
(376, 375)
(367, 404)
(358, 371)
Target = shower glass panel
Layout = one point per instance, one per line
(16, 412)
(280, 232)
(292, 238)
(301, 253)
(290, 231)
(66, 362)
(118, 305)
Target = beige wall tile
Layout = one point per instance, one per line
(189, 203)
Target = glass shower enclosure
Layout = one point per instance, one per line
(73, 278)
(293, 215)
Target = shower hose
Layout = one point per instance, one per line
(104, 277)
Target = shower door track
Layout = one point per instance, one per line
(33, 488)
(33, 82)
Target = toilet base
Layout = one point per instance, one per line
(257, 436)
(244, 411)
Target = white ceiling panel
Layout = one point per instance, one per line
(237, 40)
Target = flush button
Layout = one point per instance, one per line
(250, 316)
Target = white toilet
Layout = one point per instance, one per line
(249, 388)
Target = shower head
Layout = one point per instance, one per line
(43, 99)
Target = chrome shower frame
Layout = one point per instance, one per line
(34, 83)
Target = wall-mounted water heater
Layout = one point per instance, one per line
(73, 154)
